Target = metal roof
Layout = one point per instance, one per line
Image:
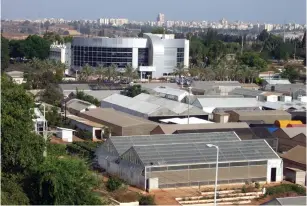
(297, 105)
(206, 84)
(170, 91)
(192, 120)
(121, 102)
(277, 81)
(211, 103)
(262, 113)
(199, 152)
(246, 92)
(78, 104)
(296, 154)
(293, 131)
(73, 87)
(301, 200)
(123, 143)
(15, 74)
(177, 107)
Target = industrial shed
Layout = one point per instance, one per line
(246, 92)
(172, 128)
(185, 160)
(178, 108)
(268, 116)
(171, 93)
(217, 87)
(76, 106)
(210, 104)
(120, 124)
(151, 107)
(290, 137)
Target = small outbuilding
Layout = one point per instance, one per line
(65, 134)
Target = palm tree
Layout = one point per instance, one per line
(130, 72)
(100, 71)
(86, 72)
(111, 72)
(180, 70)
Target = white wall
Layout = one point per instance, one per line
(65, 135)
(135, 57)
(18, 80)
(278, 164)
(272, 98)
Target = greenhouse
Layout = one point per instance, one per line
(186, 160)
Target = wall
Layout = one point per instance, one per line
(278, 164)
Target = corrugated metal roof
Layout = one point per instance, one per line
(262, 113)
(78, 104)
(294, 131)
(284, 123)
(170, 91)
(228, 102)
(176, 107)
(279, 105)
(277, 81)
(246, 92)
(206, 84)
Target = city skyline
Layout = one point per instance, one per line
(232, 10)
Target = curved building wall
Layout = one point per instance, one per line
(152, 50)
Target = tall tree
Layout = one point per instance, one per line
(36, 46)
(5, 58)
(111, 72)
(130, 72)
(290, 73)
(180, 70)
(20, 147)
(86, 72)
(65, 181)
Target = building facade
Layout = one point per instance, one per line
(154, 55)
(61, 52)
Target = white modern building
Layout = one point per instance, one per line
(61, 52)
(154, 55)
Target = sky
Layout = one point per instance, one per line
(263, 11)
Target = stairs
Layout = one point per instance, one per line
(225, 197)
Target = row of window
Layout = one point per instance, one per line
(55, 54)
(203, 166)
(105, 64)
(180, 60)
(101, 54)
(181, 50)
(261, 179)
(94, 59)
(108, 49)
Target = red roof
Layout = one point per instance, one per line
(296, 125)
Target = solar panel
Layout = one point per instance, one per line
(230, 151)
(123, 143)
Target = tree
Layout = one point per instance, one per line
(5, 58)
(130, 72)
(180, 70)
(100, 71)
(53, 37)
(17, 48)
(133, 91)
(36, 46)
(197, 51)
(159, 30)
(110, 72)
(88, 98)
(51, 95)
(53, 117)
(68, 39)
(290, 73)
(263, 36)
(65, 181)
(86, 72)
(21, 148)
(253, 59)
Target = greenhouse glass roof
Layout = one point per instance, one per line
(123, 143)
(193, 153)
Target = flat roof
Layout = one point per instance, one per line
(261, 113)
(194, 153)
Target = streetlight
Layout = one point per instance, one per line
(189, 105)
(44, 126)
(216, 169)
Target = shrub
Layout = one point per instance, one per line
(147, 200)
(244, 190)
(56, 149)
(114, 183)
(257, 185)
(284, 188)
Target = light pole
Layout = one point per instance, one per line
(189, 105)
(216, 169)
(76, 75)
(44, 128)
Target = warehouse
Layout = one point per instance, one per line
(158, 109)
(185, 160)
(268, 116)
(119, 123)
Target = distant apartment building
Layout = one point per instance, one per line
(269, 27)
(61, 53)
(156, 55)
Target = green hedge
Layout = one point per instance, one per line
(114, 183)
(284, 188)
(147, 200)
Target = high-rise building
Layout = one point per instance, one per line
(161, 18)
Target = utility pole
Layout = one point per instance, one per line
(294, 49)
(242, 45)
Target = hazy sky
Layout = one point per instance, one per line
(271, 11)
